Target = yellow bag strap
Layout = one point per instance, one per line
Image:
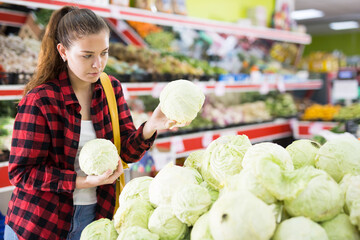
(110, 97)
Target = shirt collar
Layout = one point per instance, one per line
(68, 91)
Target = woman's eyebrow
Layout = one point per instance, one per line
(86, 51)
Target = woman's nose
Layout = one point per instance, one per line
(97, 63)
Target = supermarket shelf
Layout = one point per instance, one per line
(140, 15)
(5, 184)
(136, 89)
(12, 18)
(307, 129)
(9, 92)
(185, 144)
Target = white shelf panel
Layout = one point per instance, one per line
(9, 92)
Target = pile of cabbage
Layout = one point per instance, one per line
(236, 190)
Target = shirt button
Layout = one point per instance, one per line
(74, 143)
(77, 120)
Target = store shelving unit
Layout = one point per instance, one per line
(134, 14)
(185, 143)
(9, 92)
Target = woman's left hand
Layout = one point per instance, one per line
(158, 121)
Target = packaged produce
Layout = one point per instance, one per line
(179, 7)
(164, 6)
(146, 4)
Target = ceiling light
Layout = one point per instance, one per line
(344, 25)
(306, 14)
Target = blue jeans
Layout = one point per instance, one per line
(9, 234)
(83, 215)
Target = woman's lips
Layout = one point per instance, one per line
(94, 74)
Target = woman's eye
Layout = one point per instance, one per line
(104, 53)
(87, 56)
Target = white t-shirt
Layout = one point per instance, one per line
(84, 196)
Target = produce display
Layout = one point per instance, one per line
(321, 112)
(349, 112)
(157, 63)
(18, 56)
(281, 105)
(6, 129)
(261, 194)
(223, 111)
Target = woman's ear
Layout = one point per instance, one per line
(62, 51)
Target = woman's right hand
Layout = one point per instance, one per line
(107, 177)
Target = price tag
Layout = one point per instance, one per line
(125, 92)
(264, 88)
(345, 89)
(220, 89)
(228, 133)
(177, 144)
(115, 13)
(315, 128)
(202, 86)
(156, 90)
(281, 85)
(207, 139)
(162, 158)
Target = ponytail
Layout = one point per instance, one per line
(63, 29)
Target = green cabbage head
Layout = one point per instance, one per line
(267, 151)
(181, 100)
(214, 194)
(340, 227)
(164, 223)
(135, 212)
(351, 187)
(136, 188)
(223, 158)
(322, 199)
(190, 203)
(241, 215)
(137, 233)
(339, 156)
(246, 180)
(99, 230)
(97, 156)
(201, 230)
(194, 159)
(170, 180)
(303, 152)
(299, 228)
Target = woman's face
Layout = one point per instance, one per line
(87, 57)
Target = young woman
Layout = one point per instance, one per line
(64, 107)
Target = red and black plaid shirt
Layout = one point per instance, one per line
(44, 145)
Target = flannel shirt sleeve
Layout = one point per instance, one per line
(133, 145)
(30, 166)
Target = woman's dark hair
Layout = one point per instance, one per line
(65, 26)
